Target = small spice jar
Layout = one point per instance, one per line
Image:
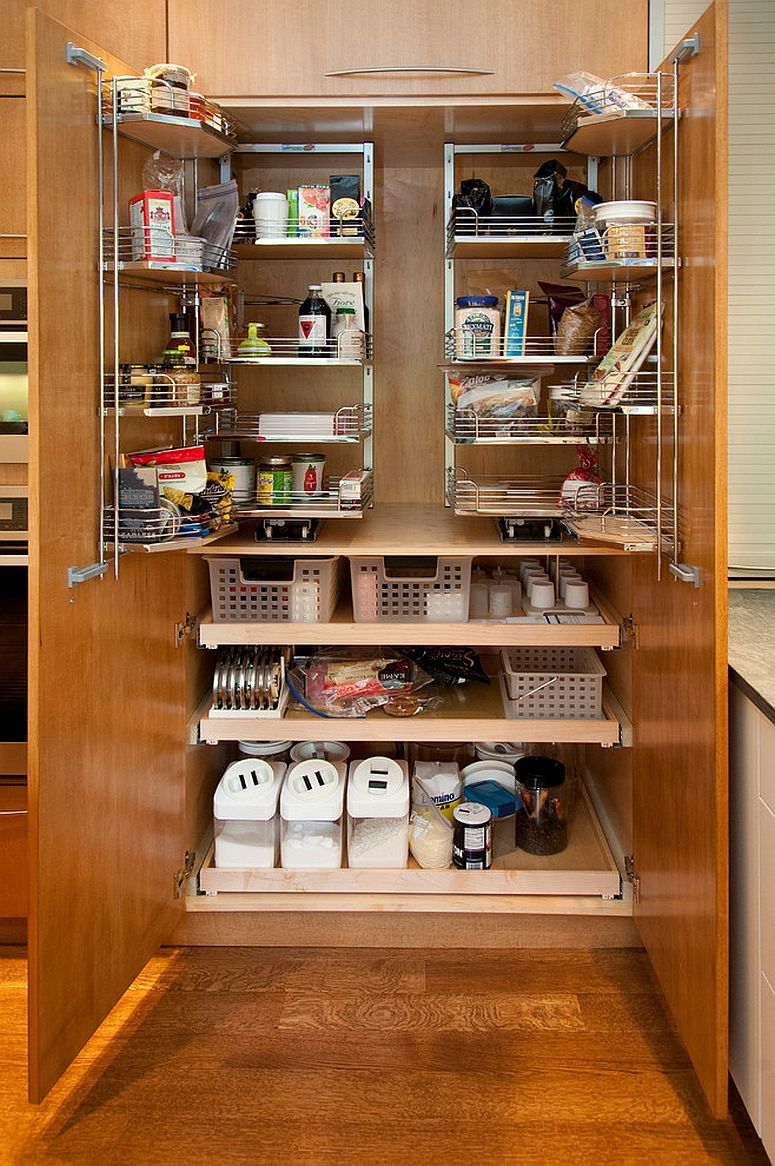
(545, 804)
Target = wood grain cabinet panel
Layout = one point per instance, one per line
(13, 190)
(237, 48)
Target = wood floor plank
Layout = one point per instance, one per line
(282, 1057)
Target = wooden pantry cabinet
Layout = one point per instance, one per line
(120, 785)
(402, 49)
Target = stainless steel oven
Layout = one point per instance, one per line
(14, 402)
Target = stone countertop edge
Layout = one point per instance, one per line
(752, 646)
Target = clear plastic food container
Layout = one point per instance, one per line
(311, 808)
(245, 814)
(545, 804)
(378, 814)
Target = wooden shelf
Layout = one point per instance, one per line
(168, 276)
(607, 134)
(410, 529)
(606, 271)
(344, 630)
(509, 247)
(473, 713)
(183, 137)
(585, 867)
(301, 248)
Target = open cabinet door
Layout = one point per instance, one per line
(680, 817)
(106, 681)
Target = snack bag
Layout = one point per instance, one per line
(575, 492)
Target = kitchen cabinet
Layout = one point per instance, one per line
(402, 49)
(127, 809)
(752, 932)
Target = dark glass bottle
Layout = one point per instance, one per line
(180, 350)
(314, 324)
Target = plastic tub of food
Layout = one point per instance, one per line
(627, 228)
(245, 814)
(312, 808)
(378, 814)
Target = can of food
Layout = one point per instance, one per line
(242, 469)
(273, 481)
(308, 471)
(472, 841)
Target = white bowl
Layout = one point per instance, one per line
(500, 771)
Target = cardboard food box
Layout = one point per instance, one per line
(152, 219)
(314, 211)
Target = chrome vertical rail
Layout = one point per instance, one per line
(659, 326)
(101, 295)
(116, 336)
(81, 58)
(450, 451)
(367, 390)
(675, 310)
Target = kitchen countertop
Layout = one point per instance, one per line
(752, 645)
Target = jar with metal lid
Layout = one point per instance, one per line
(308, 472)
(273, 481)
(135, 381)
(477, 326)
(545, 804)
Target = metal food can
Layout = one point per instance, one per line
(308, 471)
(242, 469)
(472, 840)
(273, 481)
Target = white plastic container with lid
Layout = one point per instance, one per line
(311, 808)
(321, 750)
(269, 750)
(245, 813)
(270, 212)
(378, 814)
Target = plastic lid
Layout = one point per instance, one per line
(313, 791)
(539, 772)
(261, 748)
(472, 814)
(248, 791)
(378, 788)
(345, 311)
(477, 301)
(316, 287)
(500, 802)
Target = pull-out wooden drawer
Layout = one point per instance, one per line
(13, 847)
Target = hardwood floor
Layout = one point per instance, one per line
(247, 1055)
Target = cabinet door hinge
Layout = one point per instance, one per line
(629, 632)
(632, 876)
(185, 629)
(185, 872)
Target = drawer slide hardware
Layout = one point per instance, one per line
(185, 629)
(77, 575)
(629, 632)
(185, 872)
(632, 876)
(685, 574)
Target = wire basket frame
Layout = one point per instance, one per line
(630, 94)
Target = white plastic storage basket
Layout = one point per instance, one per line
(246, 590)
(425, 589)
(553, 683)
